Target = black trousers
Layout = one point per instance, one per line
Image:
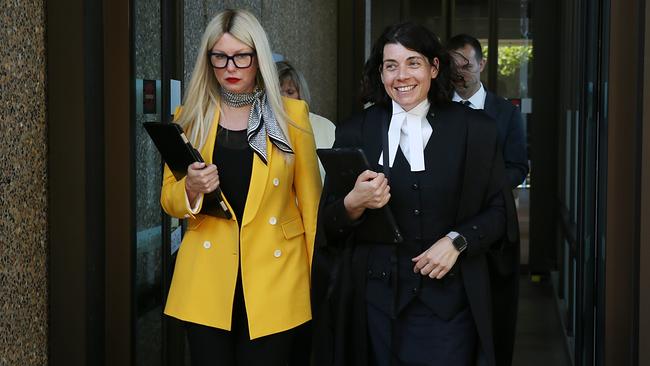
(212, 346)
(422, 338)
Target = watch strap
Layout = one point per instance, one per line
(459, 241)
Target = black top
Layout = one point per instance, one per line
(234, 160)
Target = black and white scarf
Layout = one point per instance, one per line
(261, 121)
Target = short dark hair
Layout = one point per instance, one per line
(461, 40)
(419, 39)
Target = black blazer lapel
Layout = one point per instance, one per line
(372, 138)
(490, 106)
(470, 198)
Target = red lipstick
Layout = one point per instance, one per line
(232, 80)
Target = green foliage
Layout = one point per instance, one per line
(510, 57)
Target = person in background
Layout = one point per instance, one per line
(242, 285)
(503, 261)
(293, 85)
(437, 165)
(469, 90)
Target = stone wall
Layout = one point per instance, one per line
(23, 185)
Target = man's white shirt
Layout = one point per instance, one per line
(477, 101)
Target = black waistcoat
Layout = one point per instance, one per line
(425, 206)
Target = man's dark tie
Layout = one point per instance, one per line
(466, 102)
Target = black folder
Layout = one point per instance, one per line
(343, 166)
(178, 153)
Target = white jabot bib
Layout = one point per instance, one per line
(411, 132)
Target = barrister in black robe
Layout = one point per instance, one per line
(425, 301)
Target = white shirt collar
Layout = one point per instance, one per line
(411, 132)
(419, 110)
(477, 100)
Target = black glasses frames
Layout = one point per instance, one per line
(220, 60)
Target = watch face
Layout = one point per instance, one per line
(460, 243)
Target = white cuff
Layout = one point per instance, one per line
(193, 210)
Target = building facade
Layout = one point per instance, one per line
(86, 253)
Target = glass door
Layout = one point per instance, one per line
(582, 198)
(591, 212)
(159, 340)
(148, 219)
(430, 13)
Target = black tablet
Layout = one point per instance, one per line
(343, 166)
(173, 146)
(178, 153)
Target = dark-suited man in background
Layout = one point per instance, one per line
(504, 261)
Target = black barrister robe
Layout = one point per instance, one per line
(339, 268)
(503, 262)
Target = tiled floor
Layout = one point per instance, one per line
(540, 338)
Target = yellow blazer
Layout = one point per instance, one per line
(275, 244)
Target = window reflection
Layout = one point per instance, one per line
(515, 50)
(148, 178)
(472, 17)
(431, 14)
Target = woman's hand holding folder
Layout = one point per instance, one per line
(371, 190)
(200, 179)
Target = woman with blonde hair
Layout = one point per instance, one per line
(293, 85)
(241, 285)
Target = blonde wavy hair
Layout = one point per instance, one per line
(203, 94)
(286, 71)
